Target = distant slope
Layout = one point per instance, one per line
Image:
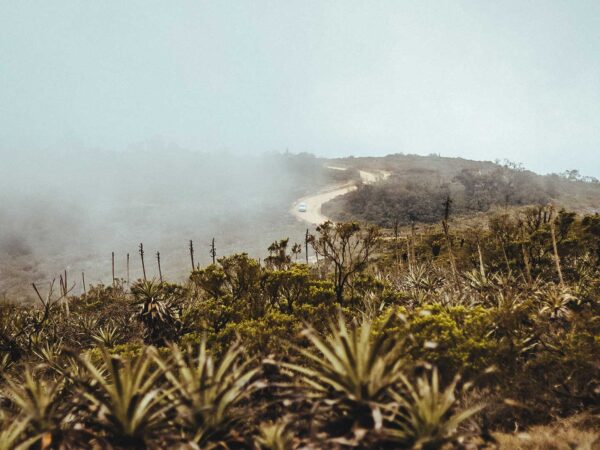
(418, 186)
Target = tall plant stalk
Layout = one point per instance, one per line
(159, 269)
(555, 248)
(142, 257)
(192, 254)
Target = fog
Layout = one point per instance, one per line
(72, 209)
(481, 80)
(160, 122)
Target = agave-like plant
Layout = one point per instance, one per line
(208, 391)
(87, 323)
(275, 436)
(478, 281)
(128, 398)
(49, 352)
(157, 312)
(43, 406)
(424, 416)
(371, 305)
(353, 370)
(557, 302)
(511, 311)
(422, 278)
(12, 435)
(108, 335)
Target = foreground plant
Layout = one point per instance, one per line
(351, 371)
(43, 405)
(208, 391)
(12, 435)
(275, 436)
(424, 416)
(127, 400)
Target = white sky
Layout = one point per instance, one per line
(478, 79)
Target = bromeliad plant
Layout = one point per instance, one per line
(357, 379)
(349, 375)
(424, 416)
(556, 303)
(12, 436)
(43, 408)
(208, 392)
(108, 335)
(275, 436)
(127, 401)
(157, 311)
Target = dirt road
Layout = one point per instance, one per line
(373, 177)
(313, 214)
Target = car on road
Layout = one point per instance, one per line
(302, 207)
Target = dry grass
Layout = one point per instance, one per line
(577, 432)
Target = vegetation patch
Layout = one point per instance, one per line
(443, 338)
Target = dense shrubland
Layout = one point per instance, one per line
(390, 340)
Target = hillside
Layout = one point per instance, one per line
(241, 201)
(475, 338)
(348, 336)
(419, 186)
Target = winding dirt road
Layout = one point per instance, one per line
(314, 202)
(313, 214)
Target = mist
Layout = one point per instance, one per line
(516, 80)
(129, 122)
(71, 210)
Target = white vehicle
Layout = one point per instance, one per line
(302, 207)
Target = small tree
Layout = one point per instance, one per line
(278, 256)
(234, 279)
(348, 247)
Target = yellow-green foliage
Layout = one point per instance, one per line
(212, 314)
(362, 384)
(128, 350)
(271, 333)
(455, 338)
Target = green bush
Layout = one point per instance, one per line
(270, 334)
(456, 339)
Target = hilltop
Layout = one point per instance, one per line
(418, 186)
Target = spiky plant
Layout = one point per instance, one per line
(43, 405)
(108, 335)
(157, 311)
(209, 391)
(371, 305)
(129, 399)
(86, 323)
(422, 278)
(275, 436)
(477, 281)
(49, 352)
(12, 435)
(351, 370)
(424, 416)
(556, 302)
(5, 362)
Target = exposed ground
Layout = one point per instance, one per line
(314, 202)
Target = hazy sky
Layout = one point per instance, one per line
(480, 79)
